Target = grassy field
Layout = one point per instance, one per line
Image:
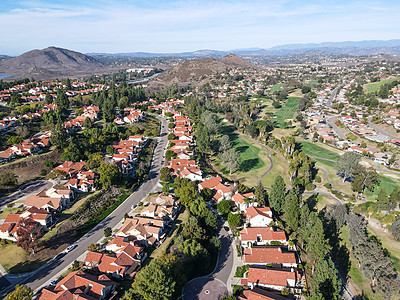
(253, 161)
(287, 110)
(276, 88)
(316, 150)
(281, 167)
(374, 87)
(387, 183)
(15, 260)
(8, 210)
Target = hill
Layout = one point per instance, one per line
(196, 70)
(49, 63)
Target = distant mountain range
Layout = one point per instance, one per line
(357, 48)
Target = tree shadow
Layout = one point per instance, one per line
(27, 266)
(248, 164)
(311, 202)
(242, 149)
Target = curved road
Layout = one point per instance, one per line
(49, 271)
(268, 155)
(380, 131)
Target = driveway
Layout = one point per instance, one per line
(50, 270)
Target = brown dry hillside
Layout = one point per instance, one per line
(193, 71)
(48, 63)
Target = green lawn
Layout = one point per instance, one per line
(374, 87)
(315, 150)
(387, 183)
(287, 110)
(277, 87)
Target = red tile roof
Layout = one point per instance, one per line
(268, 255)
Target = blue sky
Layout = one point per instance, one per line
(176, 26)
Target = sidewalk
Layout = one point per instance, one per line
(237, 262)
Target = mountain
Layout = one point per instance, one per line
(346, 44)
(197, 70)
(49, 63)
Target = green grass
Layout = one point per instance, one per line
(287, 110)
(351, 136)
(328, 163)
(374, 87)
(315, 150)
(277, 87)
(8, 210)
(387, 183)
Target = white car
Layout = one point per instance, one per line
(70, 248)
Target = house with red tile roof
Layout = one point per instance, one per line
(146, 230)
(260, 294)
(261, 236)
(276, 279)
(210, 183)
(80, 285)
(243, 201)
(263, 255)
(258, 216)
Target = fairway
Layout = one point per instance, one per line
(374, 87)
(287, 110)
(253, 159)
(276, 88)
(315, 150)
(387, 183)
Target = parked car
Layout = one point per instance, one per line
(70, 248)
(59, 255)
(54, 282)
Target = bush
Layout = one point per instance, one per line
(317, 178)
(43, 172)
(310, 186)
(328, 186)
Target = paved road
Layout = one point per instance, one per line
(333, 95)
(48, 272)
(268, 155)
(380, 131)
(26, 190)
(331, 123)
(142, 79)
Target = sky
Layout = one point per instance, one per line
(121, 26)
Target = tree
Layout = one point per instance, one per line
(171, 136)
(88, 123)
(165, 174)
(169, 154)
(109, 174)
(15, 139)
(347, 164)
(305, 89)
(259, 193)
(277, 194)
(154, 282)
(325, 283)
(95, 160)
(110, 150)
(364, 178)
(292, 209)
(234, 220)
(107, 232)
(224, 207)
(231, 157)
(206, 194)
(202, 138)
(62, 100)
(395, 228)
(21, 292)
(58, 136)
(224, 143)
(28, 233)
(108, 110)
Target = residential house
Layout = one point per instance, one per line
(259, 294)
(80, 285)
(244, 201)
(258, 216)
(272, 278)
(263, 255)
(261, 236)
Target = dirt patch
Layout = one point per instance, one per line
(29, 169)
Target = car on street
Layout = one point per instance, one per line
(53, 282)
(59, 255)
(70, 248)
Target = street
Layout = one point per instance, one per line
(48, 272)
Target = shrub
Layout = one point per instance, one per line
(328, 186)
(310, 186)
(43, 172)
(317, 178)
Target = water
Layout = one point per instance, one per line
(4, 75)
